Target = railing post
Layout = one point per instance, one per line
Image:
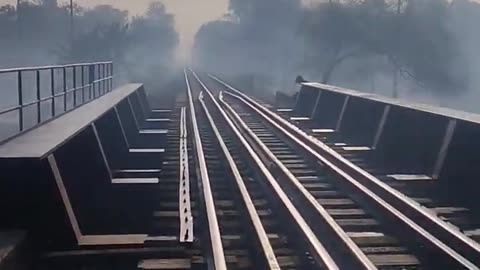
(111, 76)
(110, 80)
(99, 76)
(104, 78)
(83, 84)
(74, 86)
(64, 89)
(20, 100)
(52, 85)
(91, 79)
(39, 108)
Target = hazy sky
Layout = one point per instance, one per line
(189, 14)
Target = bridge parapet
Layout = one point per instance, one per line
(406, 137)
(65, 180)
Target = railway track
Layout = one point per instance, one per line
(356, 228)
(431, 226)
(252, 232)
(243, 187)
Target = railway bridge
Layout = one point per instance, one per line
(94, 175)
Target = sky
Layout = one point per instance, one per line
(189, 15)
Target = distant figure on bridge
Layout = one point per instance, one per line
(300, 80)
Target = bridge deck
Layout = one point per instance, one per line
(41, 141)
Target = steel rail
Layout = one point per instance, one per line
(262, 236)
(360, 258)
(399, 215)
(213, 228)
(316, 246)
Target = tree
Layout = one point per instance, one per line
(140, 46)
(255, 37)
(412, 37)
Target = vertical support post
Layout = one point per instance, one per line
(64, 195)
(83, 83)
(52, 89)
(20, 100)
(315, 107)
(104, 85)
(137, 124)
(91, 80)
(39, 105)
(111, 76)
(342, 113)
(74, 86)
(64, 89)
(124, 134)
(99, 76)
(442, 154)
(381, 125)
(100, 145)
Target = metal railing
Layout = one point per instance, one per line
(43, 93)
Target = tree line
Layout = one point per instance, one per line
(43, 32)
(390, 45)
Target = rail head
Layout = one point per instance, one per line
(277, 120)
(219, 260)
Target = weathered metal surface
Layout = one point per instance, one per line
(446, 112)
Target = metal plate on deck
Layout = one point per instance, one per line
(356, 148)
(114, 239)
(153, 180)
(161, 110)
(138, 171)
(146, 150)
(299, 118)
(154, 131)
(323, 130)
(165, 264)
(158, 120)
(410, 177)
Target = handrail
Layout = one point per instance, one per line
(81, 82)
(8, 70)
